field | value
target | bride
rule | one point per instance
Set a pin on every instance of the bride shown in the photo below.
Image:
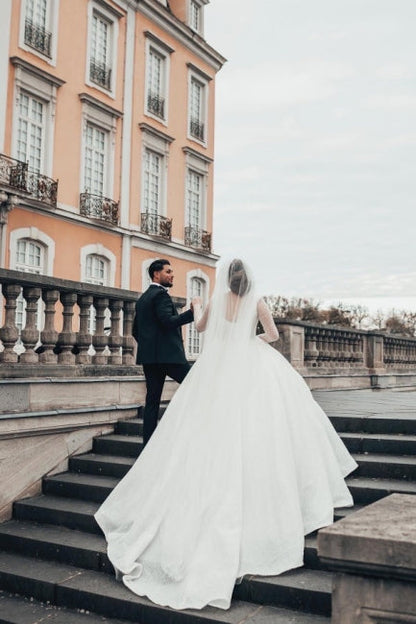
(243, 464)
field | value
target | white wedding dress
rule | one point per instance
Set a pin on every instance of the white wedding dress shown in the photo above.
(243, 464)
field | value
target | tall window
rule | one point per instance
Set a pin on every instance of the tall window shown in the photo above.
(194, 199)
(152, 182)
(156, 68)
(197, 289)
(30, 131)
(36, 24)
(195, 16)
(101, 50)
(30, 257)
(95, 159)
(197, 109)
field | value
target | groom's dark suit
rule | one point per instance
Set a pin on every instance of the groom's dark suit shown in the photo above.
(157, 330)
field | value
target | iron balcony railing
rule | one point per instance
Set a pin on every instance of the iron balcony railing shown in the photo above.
(99, 207)
(100, 74)
(196, 128)
(38, 38)
(156, 225)
(17, 175)
(197, 238)
(156, 105)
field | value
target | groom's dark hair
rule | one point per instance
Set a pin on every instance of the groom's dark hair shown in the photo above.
(157, 265)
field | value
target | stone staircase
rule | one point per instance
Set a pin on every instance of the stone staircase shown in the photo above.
(53, 562)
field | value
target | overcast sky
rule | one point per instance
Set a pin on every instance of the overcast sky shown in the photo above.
(315, 165)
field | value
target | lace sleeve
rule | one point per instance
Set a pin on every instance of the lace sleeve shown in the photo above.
(200, 317)
(270, 331)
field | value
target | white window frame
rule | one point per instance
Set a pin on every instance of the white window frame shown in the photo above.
(158, 143)
(47, 244)
(34, 82)
(199, 5)
(52, 14)
(104, 119)
(37, 236)
(196, 163)
(203, 118)
(95, 8)
(162, 50)
(190, 328)
(97, 249)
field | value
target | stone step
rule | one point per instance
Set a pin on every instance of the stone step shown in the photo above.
(79, 548)
(77, 485)
(366, 490)
(67, 512)
(386, 466)
(302, 589)
(108, 465)
(133, 426)
(385, 444)
(15, 609)
(115, 444)
(374, 424)
(56, 543)
(75, 588)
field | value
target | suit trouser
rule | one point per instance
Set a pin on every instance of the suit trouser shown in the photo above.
(155, 375)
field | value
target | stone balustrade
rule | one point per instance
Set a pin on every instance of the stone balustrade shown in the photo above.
(324, 351)
(67, 324)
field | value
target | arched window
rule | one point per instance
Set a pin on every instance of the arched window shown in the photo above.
(197, 287)
(29, 257)
(97, 270)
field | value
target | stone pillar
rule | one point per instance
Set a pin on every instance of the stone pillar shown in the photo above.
(128, 340)
(67, 337)
(292, 343)
(9, 333)
(84, 336)
(115, 340)
(373, 552)
(375, 352)
(49, 335)
(100, 340)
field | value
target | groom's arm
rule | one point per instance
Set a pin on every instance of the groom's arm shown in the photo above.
(164, 314)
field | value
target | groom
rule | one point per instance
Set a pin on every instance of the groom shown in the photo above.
(156, 328)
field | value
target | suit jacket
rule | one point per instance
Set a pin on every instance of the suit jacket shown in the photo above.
(157, 328)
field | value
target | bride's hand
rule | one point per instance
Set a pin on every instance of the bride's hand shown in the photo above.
(196, 301)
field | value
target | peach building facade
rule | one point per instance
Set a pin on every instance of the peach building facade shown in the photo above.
(107, 141)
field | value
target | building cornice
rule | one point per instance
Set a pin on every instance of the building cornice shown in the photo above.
(92, 101)
(180, 31)
(110, 8)
(196, 154)
(198, 70)
(162, 44)
(34, 69)
(145, 127)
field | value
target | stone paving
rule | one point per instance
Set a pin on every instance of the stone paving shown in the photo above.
(388, 403)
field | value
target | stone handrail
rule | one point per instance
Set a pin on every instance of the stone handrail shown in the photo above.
(330, 349)
(64, 337)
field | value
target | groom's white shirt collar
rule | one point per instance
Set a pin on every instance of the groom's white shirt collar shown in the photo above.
(160, 285)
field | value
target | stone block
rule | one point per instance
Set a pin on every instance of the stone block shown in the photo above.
(374, 552)
(14, 397)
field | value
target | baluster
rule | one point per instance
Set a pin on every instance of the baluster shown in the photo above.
(67, 337)
(115, 340)
(84, 337)
(49, 335)
(9, 332)
(30, 334)
(128, 340)
(311, 352)
(100, 340)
